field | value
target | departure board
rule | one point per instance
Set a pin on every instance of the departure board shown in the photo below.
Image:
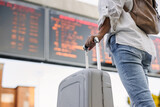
(155, 67)
(22, 35)
(21, 29)
(68, 33)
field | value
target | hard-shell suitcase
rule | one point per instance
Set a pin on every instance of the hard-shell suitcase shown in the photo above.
(86, 88)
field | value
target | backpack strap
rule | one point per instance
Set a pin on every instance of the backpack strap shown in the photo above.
(154, 4)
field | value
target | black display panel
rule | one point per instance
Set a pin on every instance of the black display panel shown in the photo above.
(22, 35)
(21, 30)
(155, 67)
(68, 33)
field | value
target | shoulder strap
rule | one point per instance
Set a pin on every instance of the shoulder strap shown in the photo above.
(154, 4)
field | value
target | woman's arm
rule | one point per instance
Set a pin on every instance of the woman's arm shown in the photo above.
(102, 31)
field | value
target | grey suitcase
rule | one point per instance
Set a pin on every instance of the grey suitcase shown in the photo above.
(86, 88)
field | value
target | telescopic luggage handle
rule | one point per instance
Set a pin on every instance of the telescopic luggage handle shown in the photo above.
(96, 40)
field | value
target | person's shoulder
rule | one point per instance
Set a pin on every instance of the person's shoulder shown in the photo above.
(128, 4)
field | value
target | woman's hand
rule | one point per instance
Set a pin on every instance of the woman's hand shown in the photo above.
(90, 41)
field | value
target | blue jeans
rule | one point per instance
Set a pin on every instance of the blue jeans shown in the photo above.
(132, 65)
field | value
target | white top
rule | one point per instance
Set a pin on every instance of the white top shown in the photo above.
(122, 24)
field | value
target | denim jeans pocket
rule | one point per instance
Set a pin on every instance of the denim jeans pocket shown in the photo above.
(112, 43)
(147, 60)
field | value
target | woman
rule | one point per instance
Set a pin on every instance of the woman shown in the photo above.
(131, 48)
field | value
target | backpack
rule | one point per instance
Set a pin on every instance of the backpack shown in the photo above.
(145, 15)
